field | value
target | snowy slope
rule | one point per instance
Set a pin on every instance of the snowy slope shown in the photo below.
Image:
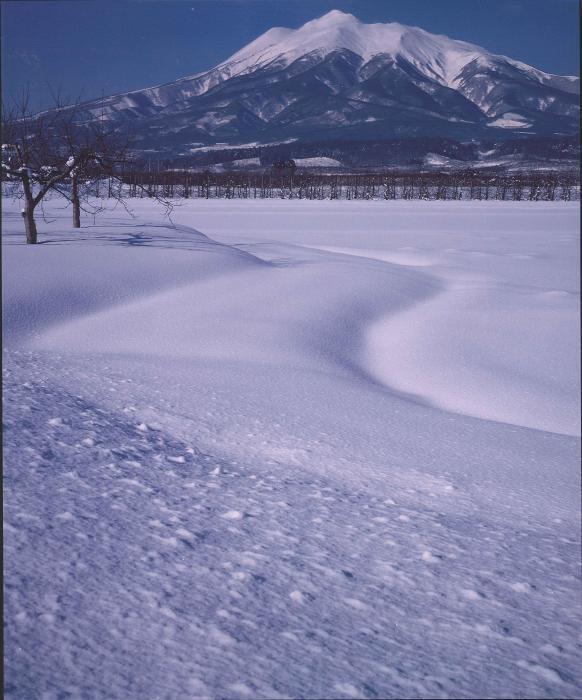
(268, 460)
(434, 56)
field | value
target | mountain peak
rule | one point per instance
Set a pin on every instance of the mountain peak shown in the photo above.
(440, 56)
(435, 55)
(334, 17)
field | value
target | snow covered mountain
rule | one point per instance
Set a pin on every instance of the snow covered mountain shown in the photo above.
(336, 77)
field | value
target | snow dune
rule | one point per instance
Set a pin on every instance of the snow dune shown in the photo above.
(466, 349)
(294, 449)
(101, 268)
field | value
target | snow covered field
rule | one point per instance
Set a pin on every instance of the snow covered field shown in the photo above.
(293, 449)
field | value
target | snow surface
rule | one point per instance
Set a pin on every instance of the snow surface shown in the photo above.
(510, 120)
(293, 449)
(319, 162)
(246, 162)
(441, 161)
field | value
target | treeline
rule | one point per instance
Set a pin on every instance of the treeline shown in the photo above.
(538, 186)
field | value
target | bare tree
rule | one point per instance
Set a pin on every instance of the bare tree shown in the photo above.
(30, 157)
(63, 150)
(98, 151)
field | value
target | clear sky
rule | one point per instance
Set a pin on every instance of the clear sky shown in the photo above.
(88, 48)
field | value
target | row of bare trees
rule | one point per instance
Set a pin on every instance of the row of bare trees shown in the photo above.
(537, 186)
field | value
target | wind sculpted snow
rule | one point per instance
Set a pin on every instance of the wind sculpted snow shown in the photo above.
(293, 449)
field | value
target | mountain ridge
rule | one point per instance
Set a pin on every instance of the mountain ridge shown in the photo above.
(337, 76)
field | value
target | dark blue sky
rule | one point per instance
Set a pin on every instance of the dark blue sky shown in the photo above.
(92, 47)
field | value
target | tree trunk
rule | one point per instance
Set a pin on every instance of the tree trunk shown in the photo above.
(75, 201)
(28, 211)
(29, 225)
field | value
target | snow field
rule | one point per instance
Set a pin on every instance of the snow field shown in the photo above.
(268, 460)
